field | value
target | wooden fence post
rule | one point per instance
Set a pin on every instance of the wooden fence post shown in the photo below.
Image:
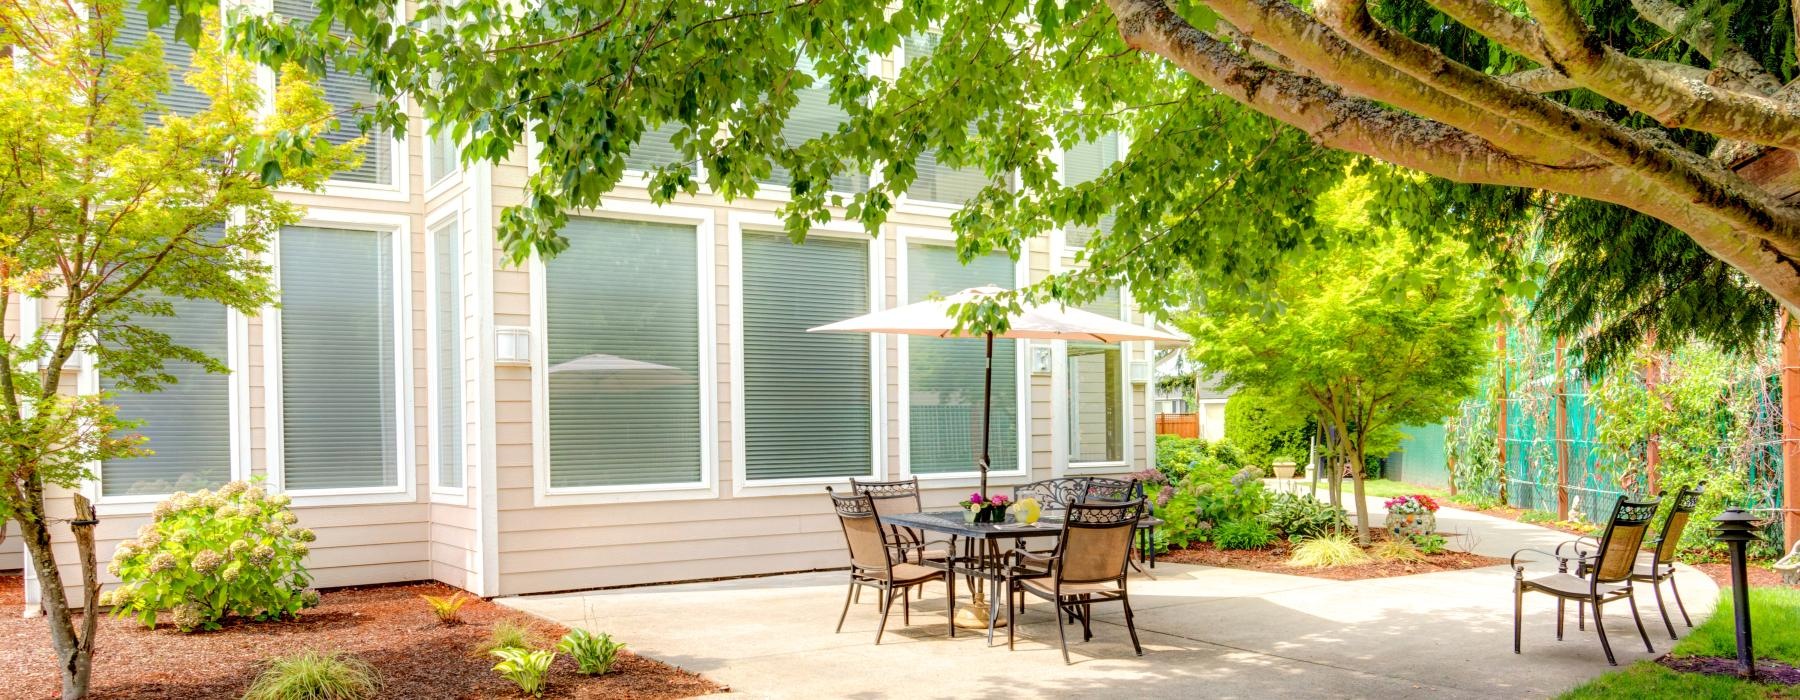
(1500, 403)
(1790, 431)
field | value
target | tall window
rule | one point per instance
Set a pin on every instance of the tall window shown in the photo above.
(188, 423)
(1095, 373)
(807, 396)
(1082, 163)
(343, 91)
(441, 158)
(815, 115)
(937, 182)
(623, 322)
(446, 241)
(945, 375)
(338, 359)
(655, 149)
(181, 98)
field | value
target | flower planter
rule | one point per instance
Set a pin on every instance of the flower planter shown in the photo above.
(1402, 525)
(991, 514)
(1284, 470)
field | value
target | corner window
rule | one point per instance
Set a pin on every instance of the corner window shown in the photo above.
(1095, 376)
(945, 377)
(447, 355)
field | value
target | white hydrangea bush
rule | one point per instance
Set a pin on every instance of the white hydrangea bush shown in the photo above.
(210, 555)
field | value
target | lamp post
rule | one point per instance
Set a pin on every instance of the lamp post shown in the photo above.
(1737, 529)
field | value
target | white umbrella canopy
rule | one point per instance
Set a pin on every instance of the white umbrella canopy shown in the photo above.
(936, 317)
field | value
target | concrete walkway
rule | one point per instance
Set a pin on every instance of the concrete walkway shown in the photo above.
(1206, 631)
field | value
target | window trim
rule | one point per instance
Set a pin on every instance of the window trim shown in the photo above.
(543, 494)
(440, 493)
(1019, 473)
(400, 225)
(436, 184)
(741, 483)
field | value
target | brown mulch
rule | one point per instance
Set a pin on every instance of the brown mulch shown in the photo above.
(385, 626)
(1274, 558)
(1767, 670)
(1760, 574)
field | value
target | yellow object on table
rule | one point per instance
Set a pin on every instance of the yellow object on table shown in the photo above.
(1026, 511)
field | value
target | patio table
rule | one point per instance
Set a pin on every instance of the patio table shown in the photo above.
(981, 557)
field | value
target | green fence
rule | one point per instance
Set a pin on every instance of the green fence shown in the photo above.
(1421, 458)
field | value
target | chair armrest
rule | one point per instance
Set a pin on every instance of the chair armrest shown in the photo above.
(1021, 556)
(1579, 550)
(1519, 568)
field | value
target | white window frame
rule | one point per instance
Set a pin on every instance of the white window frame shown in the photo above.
(405, 491)
(543, 494)
(1062, 258)
(1017, 474)
(436, 184)
(741, 484)
(1125, 351)
(440, 493)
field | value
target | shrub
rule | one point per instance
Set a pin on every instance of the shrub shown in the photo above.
(1396, 550)
(525, 667)
(1266, 430)
(1202, 485)
(511, 634)
(448, 609)
(1430, 544)
(208, 555)
(315, 675)
(594, 655)
(1300, 517)
(1477, 501)
(1250, 533)
(1327, 551)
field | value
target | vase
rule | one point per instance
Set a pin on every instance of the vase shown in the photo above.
(1404, 525)
(991, 514)
(1284, 470)
(970, 514)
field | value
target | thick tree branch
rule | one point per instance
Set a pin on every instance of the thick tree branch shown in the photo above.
(1674, 101)
(1542, 80)
(1740, 69)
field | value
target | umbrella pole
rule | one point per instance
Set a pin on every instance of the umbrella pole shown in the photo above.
(987, 413)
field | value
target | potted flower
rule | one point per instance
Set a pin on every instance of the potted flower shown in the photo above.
(1410, 516)
(985, 509)
(1284, 469)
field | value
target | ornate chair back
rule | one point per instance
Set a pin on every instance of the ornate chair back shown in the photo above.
(1052, 495)
(1686, 501)
(894, 498)
(1625, 532)
(1096, 541)
(1104, 490)
(862, 531)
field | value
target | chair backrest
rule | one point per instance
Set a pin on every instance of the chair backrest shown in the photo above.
(1625, 532)
(1686, 501)
(1096, 541)
(1104, 490)
(862, 530)
(893, 498)
(1052, 494)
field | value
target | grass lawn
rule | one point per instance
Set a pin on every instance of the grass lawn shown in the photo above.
(1775, 619)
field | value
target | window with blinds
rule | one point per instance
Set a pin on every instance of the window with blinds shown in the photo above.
(338, 357)
(622, 316)
(1082, 163)
(1095, 375)
(945, 375)
(188, 422)
(446, 241)
(655, 149)
(813, 116)
(345, 90)
(807, 396)
(181, 98)
(441, 158)
(937, 182)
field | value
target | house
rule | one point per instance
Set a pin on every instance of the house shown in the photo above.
(642, 408)
(1205, 402)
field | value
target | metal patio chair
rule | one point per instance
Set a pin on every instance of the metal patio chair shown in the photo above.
(1657, 565)
(894, 498)
(872, 561)
(1603, 575)
(1087, 567)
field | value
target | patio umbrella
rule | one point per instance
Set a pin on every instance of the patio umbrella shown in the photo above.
(619, 374)
(936, 317)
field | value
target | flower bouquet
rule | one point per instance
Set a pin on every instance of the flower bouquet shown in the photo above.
(985, 509)
(1410, 516)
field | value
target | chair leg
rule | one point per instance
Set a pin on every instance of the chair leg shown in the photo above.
(1559, 618)
(1062, 634)
(1601, 628)
(847, 598)
(1678, 606)
(1130, 625)
(950, 600)
(1518, 604)
(1632, 599)
(906, 606)
(856, 594)
(1581, 615)
(1087, 629)
(887, 596)
(1663, 608)
(1011, 623)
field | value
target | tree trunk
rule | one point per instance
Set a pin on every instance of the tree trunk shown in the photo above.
(74, 653)
(1355, 457)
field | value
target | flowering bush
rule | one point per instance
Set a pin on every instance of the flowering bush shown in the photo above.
(209, 555)
(1416, 504)
(1201, 485)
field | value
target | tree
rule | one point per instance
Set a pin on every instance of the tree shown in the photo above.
(110, 207)
(1380, 330)
(1268, 430)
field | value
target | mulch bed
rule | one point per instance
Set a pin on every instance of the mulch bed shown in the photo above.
(1760, 574)
(1767, 670)
(1274, 558)
(385, 626)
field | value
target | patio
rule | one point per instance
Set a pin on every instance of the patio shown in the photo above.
(1233, 633)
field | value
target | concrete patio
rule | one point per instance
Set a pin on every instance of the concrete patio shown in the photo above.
(1206, 631)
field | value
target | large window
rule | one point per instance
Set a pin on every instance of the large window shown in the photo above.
(338, 359)
(344, 91)
(937, 182)
(655, 149)
(188, 423)
(622, 315)
(181, 98)
(945, 375)
(447, 358)
(1082, 163)
(813, 116)
(1095, 373)
(807, 396)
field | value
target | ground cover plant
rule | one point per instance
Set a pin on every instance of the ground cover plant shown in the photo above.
(315, 675)
(1775, 616)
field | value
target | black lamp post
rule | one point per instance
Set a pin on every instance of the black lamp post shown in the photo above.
(1737, 529)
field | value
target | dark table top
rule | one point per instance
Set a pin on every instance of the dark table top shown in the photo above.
(950, 522)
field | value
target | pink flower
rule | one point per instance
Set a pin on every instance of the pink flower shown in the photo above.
(975, 497)
(998, 499)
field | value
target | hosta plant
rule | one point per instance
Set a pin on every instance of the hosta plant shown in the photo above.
(594, 655)
(527, 668)
(210, 555)
(447, 608)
